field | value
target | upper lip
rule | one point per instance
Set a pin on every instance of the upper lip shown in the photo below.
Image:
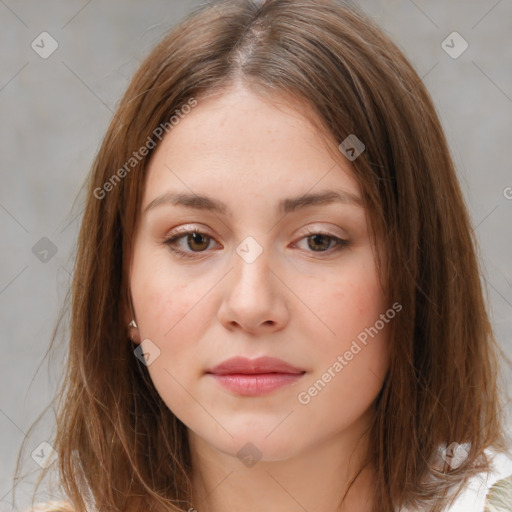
(254, 366)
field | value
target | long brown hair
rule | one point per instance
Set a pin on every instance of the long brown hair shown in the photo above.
(116, 439)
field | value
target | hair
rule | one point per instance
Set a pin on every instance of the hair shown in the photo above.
(117, 441)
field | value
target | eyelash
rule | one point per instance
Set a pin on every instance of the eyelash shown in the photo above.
(171, 242)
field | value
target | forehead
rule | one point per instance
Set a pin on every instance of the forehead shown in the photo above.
(239, 120)
(242, 143)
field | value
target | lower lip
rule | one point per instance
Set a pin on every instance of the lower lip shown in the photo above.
(256, 384)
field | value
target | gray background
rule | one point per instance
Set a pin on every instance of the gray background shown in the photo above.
(54, 113)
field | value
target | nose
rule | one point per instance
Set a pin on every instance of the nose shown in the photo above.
(255, 298)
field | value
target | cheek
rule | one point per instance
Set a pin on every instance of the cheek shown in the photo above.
(351, 364)
(351, 301)
(353, 307)
(169, 313)
(166, 302)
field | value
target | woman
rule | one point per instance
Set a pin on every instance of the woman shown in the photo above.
(274, 221)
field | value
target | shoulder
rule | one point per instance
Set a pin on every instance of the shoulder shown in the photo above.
(490, 491)
(487, 491)
(52, 506)
(499, 497)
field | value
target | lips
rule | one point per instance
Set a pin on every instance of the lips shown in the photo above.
(260, 365)
(254, 377)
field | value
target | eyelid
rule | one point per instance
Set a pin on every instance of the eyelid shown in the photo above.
(172, 238)
(174, 235)
(187, 228)
(311, 230)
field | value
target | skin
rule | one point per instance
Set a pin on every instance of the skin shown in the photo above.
(300, 305)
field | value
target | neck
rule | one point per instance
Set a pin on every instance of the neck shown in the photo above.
(317, 479)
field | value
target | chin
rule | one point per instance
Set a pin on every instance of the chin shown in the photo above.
(253, 444)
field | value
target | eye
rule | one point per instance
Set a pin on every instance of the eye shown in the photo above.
(198, 242)
(319, 241)
(195, 240)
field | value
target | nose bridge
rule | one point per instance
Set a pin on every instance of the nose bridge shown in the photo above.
(251, 299)
(251, 263)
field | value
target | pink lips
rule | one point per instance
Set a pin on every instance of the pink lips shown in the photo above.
(252, 377)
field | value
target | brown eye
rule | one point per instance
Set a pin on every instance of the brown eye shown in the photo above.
(188, 243)
(324, 243)
(197, 241)
(319, 242)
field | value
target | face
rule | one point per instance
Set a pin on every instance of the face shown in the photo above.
(292, 280)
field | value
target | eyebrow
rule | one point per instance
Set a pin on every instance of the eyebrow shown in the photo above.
(201, 202)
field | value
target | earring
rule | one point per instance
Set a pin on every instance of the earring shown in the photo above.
(132, 326)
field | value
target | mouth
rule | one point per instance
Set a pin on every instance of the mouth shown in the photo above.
(253, 377)
(257, 383)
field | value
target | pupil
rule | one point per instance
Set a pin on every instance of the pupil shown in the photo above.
(195, 236)
(316, 237)
(196, 239)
